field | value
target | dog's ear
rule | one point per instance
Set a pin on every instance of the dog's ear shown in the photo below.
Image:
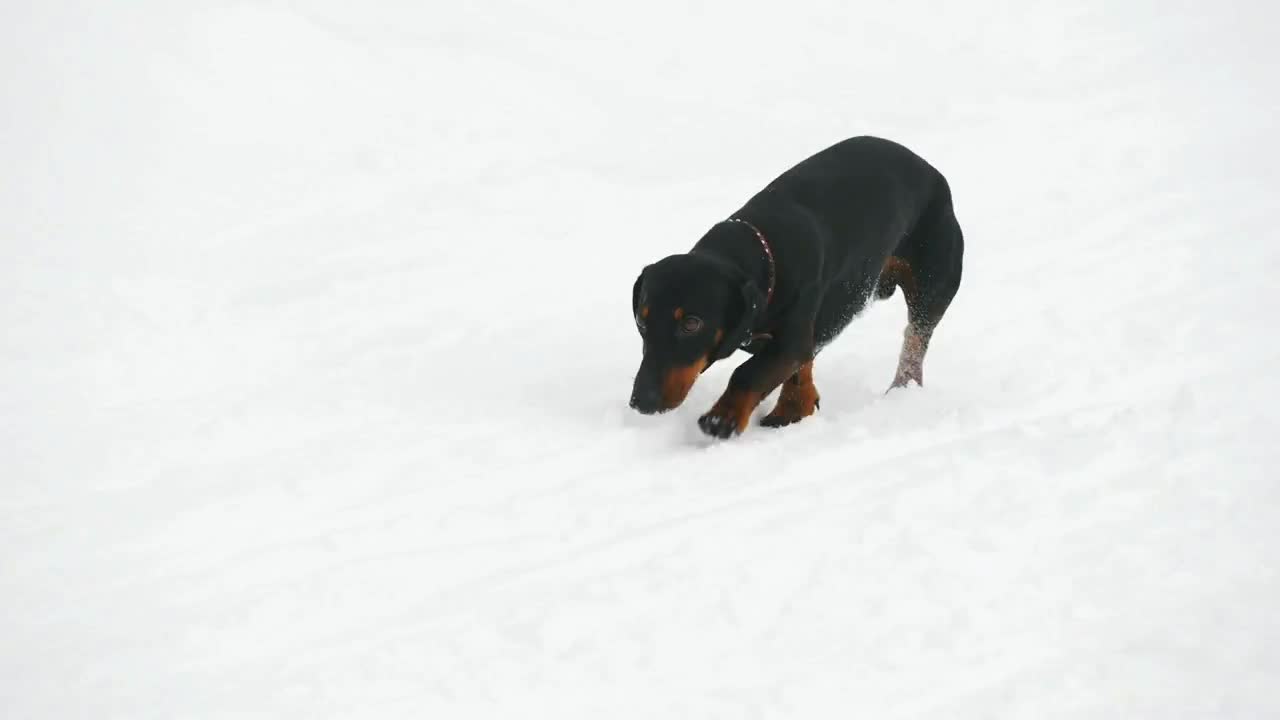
(740, 334)
(636, 291)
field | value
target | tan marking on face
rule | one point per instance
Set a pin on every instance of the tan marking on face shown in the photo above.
(679, 314)
(678, 381)
(644, 311)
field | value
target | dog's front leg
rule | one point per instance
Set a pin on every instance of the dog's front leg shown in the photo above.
(753, 380)
(750, 383)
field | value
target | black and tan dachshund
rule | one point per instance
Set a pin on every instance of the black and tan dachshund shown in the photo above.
(786, 273)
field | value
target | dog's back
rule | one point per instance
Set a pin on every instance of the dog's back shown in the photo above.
(862, 196)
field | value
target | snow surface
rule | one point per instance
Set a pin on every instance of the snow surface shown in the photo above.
(316, 351)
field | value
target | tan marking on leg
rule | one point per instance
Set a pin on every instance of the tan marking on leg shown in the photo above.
(896, 273)
(736, 407)
(915, 344)
(797, 400)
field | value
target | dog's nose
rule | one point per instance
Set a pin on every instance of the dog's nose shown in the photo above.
(646, 400)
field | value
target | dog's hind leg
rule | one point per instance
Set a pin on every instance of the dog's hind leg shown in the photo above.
(890, 277)
(927, 268)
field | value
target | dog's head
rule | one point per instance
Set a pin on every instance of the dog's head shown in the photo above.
(690, 311)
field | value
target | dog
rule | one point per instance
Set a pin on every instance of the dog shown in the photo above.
(784, 275)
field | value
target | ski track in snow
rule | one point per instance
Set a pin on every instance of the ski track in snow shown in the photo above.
(317, 350)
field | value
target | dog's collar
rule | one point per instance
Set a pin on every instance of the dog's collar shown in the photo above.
(768, 253)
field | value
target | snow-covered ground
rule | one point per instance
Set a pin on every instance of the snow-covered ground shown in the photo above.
(317, 345)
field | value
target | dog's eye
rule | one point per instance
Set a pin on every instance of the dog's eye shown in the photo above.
(690, 325)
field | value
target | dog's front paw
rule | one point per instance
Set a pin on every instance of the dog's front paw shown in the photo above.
(718, 426)
(730, 414)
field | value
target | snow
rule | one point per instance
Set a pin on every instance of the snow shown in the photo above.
(317, 347)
